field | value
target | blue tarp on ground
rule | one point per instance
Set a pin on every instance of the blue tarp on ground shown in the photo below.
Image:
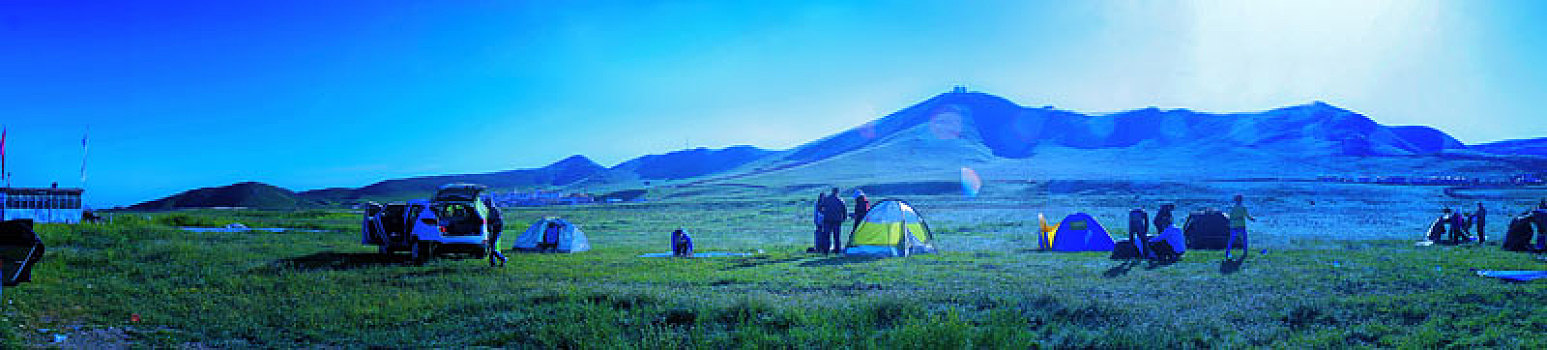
(245, 229)
(1517, 276)
(697, 255)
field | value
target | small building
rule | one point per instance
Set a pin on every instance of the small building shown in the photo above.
(42, 205)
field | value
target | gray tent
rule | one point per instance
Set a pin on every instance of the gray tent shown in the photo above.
(564, 237)
(1207, 229)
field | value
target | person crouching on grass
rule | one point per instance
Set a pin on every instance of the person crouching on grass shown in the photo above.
(1238, 218)
(681, 244)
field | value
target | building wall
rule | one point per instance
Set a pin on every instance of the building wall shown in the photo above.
(52, 216)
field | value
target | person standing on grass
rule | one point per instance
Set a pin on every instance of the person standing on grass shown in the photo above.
(496, 223)
(1447, 224)
(550, 241)
(1163, 217)
(819, 241)
(1238, 218)
(1539, 217)
(1481, 218)
(861, 206)
(1138, 230)
(833, 216)
(1464, 220)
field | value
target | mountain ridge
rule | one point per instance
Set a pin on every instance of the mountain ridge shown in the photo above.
(563, 172)
(980, 128)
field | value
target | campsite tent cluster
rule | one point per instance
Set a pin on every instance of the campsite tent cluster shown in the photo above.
(889, 228)
(893, 228)
(1080, 232)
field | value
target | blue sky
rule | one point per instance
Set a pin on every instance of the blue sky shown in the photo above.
(312, 94)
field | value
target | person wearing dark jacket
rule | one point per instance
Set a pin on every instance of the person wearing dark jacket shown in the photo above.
(1539, 216)
(496, 224)
(1481, 219)
(681, 243)
(1138, 230)
(834, 213)
(1163, 218)
(1517, 235)
(1455, 222)
(861, 206)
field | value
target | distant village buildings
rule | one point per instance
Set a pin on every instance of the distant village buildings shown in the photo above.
(1516, 180)
(539, 198)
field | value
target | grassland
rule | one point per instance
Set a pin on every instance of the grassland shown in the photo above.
(1312, 281)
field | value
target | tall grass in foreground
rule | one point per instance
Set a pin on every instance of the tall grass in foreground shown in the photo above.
(324, 289)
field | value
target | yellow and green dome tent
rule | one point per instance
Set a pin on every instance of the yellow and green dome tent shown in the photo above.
(891, 228)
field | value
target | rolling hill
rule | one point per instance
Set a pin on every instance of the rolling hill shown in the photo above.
(245, 195)
(679, 165)
(1526, 147)
(564, 172)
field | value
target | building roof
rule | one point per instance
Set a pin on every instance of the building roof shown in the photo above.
(15, 191)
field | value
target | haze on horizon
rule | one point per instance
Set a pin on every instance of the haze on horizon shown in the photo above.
(308, 95)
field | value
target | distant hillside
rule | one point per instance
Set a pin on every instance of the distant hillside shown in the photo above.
(952, 135)
(934, 139)
(679, 165)
(1011, 131)
(246, 194)
(1527, 147)
(564, 172)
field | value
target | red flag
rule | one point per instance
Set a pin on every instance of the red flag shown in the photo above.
(3, 174)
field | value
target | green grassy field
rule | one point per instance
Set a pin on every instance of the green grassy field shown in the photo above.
(988, 289)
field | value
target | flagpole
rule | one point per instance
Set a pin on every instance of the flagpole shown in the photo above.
(84, 151)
